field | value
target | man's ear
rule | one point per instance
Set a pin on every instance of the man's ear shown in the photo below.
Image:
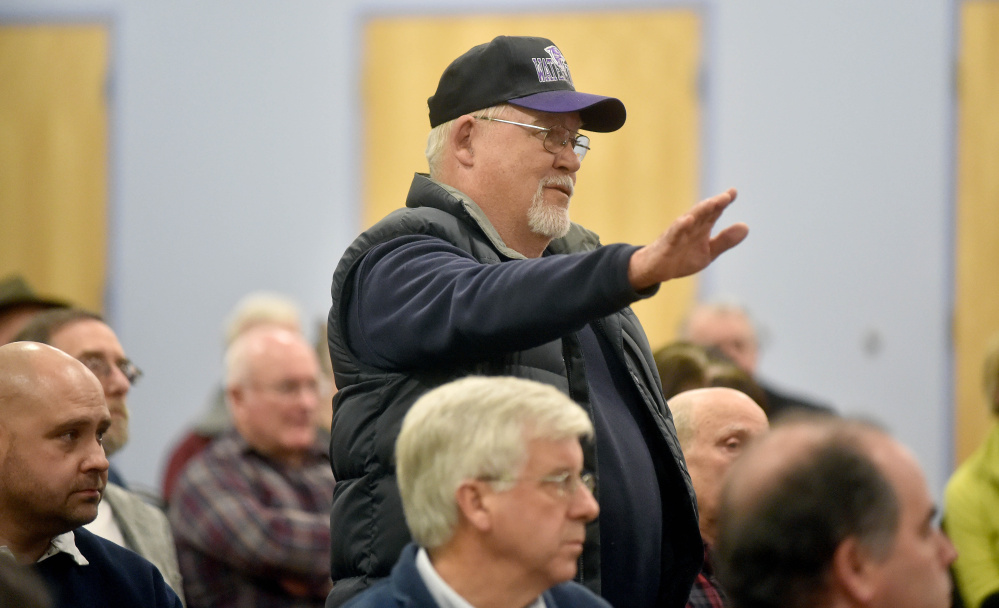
(473, 504)
(461, 140)
(234, 395)
(855, 572)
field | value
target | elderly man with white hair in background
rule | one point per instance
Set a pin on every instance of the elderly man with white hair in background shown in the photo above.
(251, 512)
(493, 488)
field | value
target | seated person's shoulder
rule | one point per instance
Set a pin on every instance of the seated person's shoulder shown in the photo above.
(136, 581)
(575, 595)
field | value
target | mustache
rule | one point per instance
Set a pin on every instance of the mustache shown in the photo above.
(561, 181)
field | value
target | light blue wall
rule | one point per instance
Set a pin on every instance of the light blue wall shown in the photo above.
(235, 164)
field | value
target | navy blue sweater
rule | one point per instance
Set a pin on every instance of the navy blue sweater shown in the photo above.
(115, 577)
(420, 301)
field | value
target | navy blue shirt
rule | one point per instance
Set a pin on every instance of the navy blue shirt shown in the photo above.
(115, 576)
(630, 504)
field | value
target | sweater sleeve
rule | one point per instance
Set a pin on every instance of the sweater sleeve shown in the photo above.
(419, 301)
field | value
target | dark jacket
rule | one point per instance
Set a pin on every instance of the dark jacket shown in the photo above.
(405, 588)
(115, 576)
(556, 296)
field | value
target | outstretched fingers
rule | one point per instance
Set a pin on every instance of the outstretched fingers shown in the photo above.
(728, 238)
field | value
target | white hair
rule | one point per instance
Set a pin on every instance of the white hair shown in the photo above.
(439, 135)
(262, 307)
(473, 428)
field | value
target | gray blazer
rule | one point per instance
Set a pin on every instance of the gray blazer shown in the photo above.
(147, 532)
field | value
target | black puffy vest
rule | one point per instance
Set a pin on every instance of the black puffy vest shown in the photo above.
(368, 528)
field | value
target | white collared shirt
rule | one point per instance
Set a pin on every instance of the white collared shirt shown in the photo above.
(64, 543)
(106, 526)
(443, 594)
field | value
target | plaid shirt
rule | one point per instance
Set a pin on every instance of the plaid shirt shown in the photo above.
(251, 531)
(706, 593)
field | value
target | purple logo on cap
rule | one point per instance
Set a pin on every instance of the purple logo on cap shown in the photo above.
(552, 68)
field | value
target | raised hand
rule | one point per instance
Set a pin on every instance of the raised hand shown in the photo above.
(686, 247)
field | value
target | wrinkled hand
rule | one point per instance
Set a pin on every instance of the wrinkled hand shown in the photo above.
(687, 246)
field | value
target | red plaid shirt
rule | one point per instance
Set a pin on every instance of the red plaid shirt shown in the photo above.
(706, 593)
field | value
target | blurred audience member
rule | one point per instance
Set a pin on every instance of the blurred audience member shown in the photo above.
(53, 471)
(971, 515)
(728, 328)
(21, 586)
(684, 366)
(257, 308)
(713, 425)
(251, 512)
(123, 516)
(823, 511)
(18, 305)
(493, 489)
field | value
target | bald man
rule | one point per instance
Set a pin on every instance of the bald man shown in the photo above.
(124, 516)
(53, 471)
(833, 513)
(713, 426)
(251, 512)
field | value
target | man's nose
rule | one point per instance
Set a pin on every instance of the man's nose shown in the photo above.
(584, 506)
(947, 549)
(567, 159)
(96, 458)
(117, 382)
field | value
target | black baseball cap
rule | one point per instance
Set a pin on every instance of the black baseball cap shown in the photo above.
(524, 71)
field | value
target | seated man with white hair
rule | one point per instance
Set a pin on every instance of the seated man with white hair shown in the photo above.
(491, 476)
(250, 513)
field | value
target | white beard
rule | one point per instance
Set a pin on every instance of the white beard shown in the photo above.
(550, 221)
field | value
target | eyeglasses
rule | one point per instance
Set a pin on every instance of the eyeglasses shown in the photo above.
(102, 367)
(556, 138)
(292, 388)
(565, 483)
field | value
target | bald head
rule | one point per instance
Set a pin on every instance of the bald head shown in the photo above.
(53, 468)
(33, 372)
(715, 405)
(273, 391)
(714, 426)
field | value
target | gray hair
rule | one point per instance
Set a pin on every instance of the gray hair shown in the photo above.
(473, 428)
(259, 308)
(439, 135)
(246, 347)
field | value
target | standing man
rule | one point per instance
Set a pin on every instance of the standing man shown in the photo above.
(833, 513)
(483, 273)
(714, 426)
(123, 516)
(496, 497)
(52, 474)
(251, 511)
